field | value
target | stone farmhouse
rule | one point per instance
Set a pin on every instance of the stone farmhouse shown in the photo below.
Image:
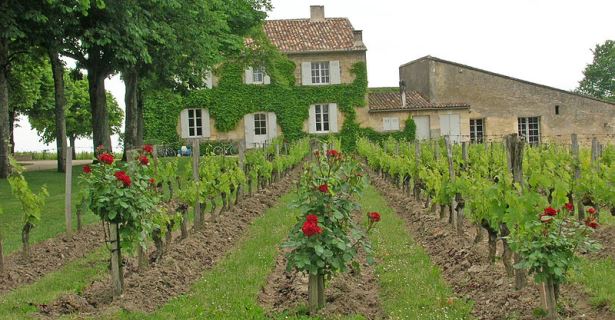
(442, 97)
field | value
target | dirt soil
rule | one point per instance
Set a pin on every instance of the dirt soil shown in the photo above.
(606, 237)
(351, 293)
(466, 268)
(181, 266)
(48, 256)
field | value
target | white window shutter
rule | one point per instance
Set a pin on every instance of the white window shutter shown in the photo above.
(272, 125)
(205, 123)
(248, 75)
(306, 73)
(334, 72)
(312, 119)
(395, 124)
(385, 124)
(183, 123)
(209, 79)
(248, 121)
(332, 117)
(266, 79)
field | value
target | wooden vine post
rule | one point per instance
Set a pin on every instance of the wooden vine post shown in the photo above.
(68, 208)
(117, 275)
(451, 173)
(514, 147)
(196, 154)
(574, 149)
(417, 161)
(241, 154)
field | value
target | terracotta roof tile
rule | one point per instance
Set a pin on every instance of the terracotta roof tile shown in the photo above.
(301, 35)
(392, 101)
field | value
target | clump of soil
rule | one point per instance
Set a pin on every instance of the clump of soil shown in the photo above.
(466, 268)
(48, 256)
(182, 264)
(352, 293)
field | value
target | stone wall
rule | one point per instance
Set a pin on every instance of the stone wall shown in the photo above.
(501, 100)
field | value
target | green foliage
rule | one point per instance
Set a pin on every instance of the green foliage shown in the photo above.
(232, 99)
(31, 203)
(599, 76)
(334, 248)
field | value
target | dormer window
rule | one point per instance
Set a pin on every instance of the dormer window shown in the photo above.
(320, 72)
(258, 75)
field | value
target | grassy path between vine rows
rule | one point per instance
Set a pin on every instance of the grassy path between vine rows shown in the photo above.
(411, 286)
(73, 277)
(596, 276)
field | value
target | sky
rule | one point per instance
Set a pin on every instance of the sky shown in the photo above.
(544, 41)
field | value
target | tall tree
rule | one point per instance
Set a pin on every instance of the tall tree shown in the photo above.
(77, 111)
(599, 76)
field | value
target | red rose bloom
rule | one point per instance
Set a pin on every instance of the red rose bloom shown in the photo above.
(550, 211)
(591, 210)
(144, 160)
(309, 229)
(87, 169)
(106, 158)
(569, 206)
(324, 188)
(148, 148)
(592, 223)
(152, 181)
(332, 153)
(312, 218)
(374, 216)
(122, 176)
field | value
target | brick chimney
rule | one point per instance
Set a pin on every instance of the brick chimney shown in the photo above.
(317, 13)
(358, 37)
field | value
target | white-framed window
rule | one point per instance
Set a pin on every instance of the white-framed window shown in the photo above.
(260, 124)
(477, 130)
(529, 129)
(320, 72)
(321, 114)
(390, 124)
(195, 123)
(258, 75)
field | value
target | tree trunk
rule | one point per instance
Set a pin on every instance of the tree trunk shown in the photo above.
(519, 273)
(140, 120)
(184, 226)
(12, 118)
(72, 144)
(57, 68)
(321, 291)
(25, 240)
(4, 109)
(157, 237)
(130, 99)
(101, 131)
(313, 294)
(507, 252)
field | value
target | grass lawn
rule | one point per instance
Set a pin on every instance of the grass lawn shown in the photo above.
(411, 286)
(597, 278)
(52, 216)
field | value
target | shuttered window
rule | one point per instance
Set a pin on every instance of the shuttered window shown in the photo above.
(195, 123)
(260, 124)
(321, 111)
(320, 72)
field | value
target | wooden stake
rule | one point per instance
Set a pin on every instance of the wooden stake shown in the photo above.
(574, 148)
(196, 155)
(451, 172)
(313, 294)
(116, 260)
(514, 147)
(68, 206)
(321, 291)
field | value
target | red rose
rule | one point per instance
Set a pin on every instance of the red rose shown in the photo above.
(550, 211)
(148, 148)
(87, 169)
(546, 218)
(592, 223)
(152, 181)
(374, 216)
(312, 218)
(106, 158)
(122, 176)
(144, 160)
(309, 229)
(569, 206)
(591, 210)
(324, 188)
(332, 153)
